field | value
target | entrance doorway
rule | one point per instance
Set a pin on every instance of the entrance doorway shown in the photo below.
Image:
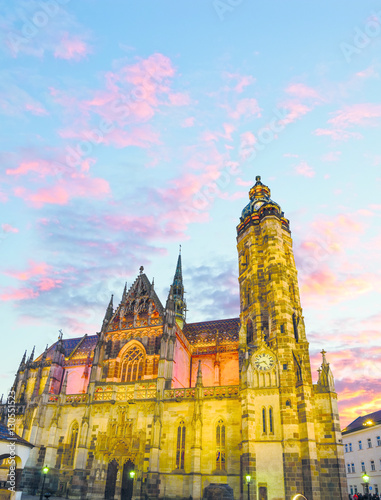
(262, 493)
(127, 481)
(112, 472)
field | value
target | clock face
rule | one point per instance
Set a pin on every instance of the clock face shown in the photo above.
(257, 205)
(264, 361)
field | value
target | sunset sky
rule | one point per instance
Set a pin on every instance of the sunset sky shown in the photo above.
(131, 127)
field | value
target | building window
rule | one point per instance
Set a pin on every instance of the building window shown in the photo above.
(372, 466)
(249, 331)
(348, 468)
(220, 446)
(369, 443)
(295, 322)
(351, 488)
(264, 429)
(346, 448)
(353, 467)
(350, 446)
(376, 489)
(271, 421)
(180, 447)
(132, 365)
(360, 445)
(72, 443)
(362, 466)
(378, 440)
(355, 489)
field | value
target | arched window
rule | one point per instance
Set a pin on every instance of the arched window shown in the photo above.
(264, 427)
(220, 445)
(180, 446)
(249, 331)
(271, 420)
(132, 365)
(72, 443)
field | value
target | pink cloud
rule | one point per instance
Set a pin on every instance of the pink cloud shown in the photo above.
(295, 110)
(77, 186)
(331, 156)
(246, 107)
(188, 122)
(290, 155)
(247, 139)
(305, 170)
(36, 275)
(364, 115)
(36, 108)
(71, 47)
(35, 269)
(243, 81)
(21, 294)
(241, 182)
(303, 91)
(7, 228)
(39, 166)
(337, 134)
(179, 99)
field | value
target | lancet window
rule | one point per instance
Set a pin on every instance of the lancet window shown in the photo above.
(180, 446)
(72, 443)
(220, 446)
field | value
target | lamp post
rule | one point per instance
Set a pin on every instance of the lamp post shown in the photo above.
(248, 480)
(366, 478)
(45, 470)
(132, 474)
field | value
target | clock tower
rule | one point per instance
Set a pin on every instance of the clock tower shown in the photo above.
(284, 441)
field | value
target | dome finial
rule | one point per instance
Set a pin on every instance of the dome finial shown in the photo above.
(258, 178)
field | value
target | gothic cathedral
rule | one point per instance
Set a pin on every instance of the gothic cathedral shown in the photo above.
(155, 407)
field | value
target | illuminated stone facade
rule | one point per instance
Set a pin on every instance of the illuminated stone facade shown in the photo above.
(191, 408)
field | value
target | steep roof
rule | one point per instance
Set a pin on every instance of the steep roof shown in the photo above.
(78, 348)
(6, 434)
(362, 422)
(205, 332)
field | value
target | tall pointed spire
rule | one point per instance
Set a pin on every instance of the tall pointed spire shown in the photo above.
(31, 358)
(178, 293)
(109, 312)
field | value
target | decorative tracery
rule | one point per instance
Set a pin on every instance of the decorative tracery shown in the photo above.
(132, 365)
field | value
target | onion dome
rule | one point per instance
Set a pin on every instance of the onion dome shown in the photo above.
(260, 206)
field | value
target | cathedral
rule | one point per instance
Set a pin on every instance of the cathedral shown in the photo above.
(155, 407)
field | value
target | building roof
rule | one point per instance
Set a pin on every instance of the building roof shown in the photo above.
(205, 332)
(6, 434)
(82, 345)
(363, 422)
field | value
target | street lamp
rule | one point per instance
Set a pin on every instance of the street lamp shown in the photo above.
(45, 470)
(132, 474)
(248, 480)
(366, 478)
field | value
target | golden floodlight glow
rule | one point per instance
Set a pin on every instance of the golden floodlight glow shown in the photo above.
(368, 422)
(299, 495)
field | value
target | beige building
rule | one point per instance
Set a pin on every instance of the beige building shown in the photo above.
(153, 406)
(362, 453)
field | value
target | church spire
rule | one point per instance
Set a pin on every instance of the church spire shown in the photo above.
(109, 312)
(178, 293)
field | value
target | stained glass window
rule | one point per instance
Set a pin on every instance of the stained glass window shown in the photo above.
(132, 365)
